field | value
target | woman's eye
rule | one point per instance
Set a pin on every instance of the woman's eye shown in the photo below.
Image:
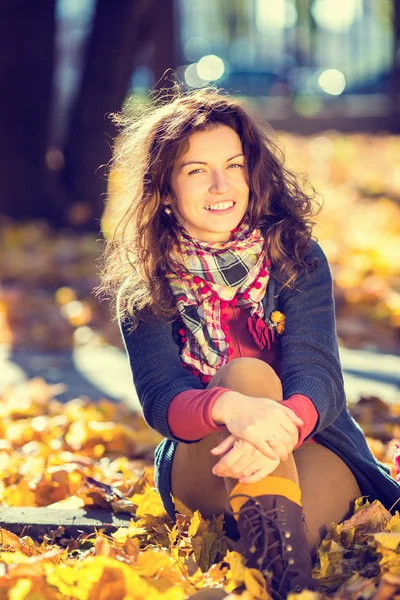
(194, 171)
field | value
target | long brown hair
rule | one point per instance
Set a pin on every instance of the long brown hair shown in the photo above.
(134, 261)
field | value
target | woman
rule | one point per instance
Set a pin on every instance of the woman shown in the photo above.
(225, 307)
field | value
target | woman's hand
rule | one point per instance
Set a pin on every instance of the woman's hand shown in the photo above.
(266, 424)
(242, 461)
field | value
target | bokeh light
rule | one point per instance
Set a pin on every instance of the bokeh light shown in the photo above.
(332, 82)
(210, 67)
(336, 15)
(279, 14)
(192, 78)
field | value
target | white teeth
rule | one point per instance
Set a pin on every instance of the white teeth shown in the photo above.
(221, 206)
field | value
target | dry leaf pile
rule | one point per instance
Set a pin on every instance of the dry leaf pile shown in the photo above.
(88, 455)
(359, 178)
(51, 275)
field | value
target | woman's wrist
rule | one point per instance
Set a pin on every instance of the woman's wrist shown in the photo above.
(221, 407)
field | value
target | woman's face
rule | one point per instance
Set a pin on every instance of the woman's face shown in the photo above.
(210, 194)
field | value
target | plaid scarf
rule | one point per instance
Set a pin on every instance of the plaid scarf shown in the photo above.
(205, 278)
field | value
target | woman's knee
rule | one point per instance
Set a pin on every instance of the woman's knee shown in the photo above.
(249, 376)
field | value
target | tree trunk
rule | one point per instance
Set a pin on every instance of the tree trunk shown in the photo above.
(119, 30)
(165, 43)
(26, 70)
(395, 83)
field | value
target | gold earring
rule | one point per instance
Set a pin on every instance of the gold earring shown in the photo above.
(167, 210)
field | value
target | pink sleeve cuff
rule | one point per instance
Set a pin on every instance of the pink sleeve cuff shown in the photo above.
(189, 413)
(306, 411)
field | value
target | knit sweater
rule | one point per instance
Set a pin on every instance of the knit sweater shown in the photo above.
(310, 366)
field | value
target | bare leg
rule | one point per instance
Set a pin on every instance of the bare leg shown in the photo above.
(314, 468)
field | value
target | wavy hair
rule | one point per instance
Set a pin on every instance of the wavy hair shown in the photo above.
(135, 256)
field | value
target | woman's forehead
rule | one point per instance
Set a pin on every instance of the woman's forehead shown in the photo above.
(219, 140)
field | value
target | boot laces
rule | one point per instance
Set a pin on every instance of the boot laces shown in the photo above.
(261, 522)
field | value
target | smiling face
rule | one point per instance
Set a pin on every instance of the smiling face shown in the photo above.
(210, 193)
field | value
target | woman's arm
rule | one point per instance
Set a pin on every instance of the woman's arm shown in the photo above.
(310, 356)
(157, 370)
(190, 413)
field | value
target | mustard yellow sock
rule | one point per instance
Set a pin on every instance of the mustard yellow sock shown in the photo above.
(267, 486)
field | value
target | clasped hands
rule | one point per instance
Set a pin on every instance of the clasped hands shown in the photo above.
(263, 433)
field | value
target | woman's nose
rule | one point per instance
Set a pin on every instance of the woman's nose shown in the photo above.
(219, 184)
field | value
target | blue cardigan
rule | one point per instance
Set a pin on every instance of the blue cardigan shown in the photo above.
(310, 366)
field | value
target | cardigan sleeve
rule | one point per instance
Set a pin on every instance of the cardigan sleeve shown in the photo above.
(157, 371)
(310, 355)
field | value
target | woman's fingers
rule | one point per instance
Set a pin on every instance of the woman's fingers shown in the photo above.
(228, 460)
(288, 425)
(283, 443)
(225, 445)
(239, 463)
(258, 463)
(292, 415)
(292, 432)
(234, 460)
(262, 445)
(280, 448)
(260, 474)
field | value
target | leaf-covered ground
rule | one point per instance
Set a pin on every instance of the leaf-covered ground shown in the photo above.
(81, 454)
(84, 454)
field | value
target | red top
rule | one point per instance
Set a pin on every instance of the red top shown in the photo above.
(189, 413)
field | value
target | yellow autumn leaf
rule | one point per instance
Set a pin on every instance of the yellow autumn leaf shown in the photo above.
(255, 584)
(329, 569)
(18, 557)
(360, 503)
(19, 494)
(75, 580)
(197, 525)
(394, 523)
(21, 590)
(181, 508)
(11, 542)
(236, 572)
(391, 541)
(388, 549)
(123, 533)
(149, 563)
(148, 503)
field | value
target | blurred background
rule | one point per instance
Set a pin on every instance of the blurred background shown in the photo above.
(325, 74)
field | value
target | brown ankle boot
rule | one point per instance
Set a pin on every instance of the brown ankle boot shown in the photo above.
(273, 540)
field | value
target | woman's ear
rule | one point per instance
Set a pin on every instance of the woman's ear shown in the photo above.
(166, 200)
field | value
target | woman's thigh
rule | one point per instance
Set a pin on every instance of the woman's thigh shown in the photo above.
(192, 480)
(328, 489)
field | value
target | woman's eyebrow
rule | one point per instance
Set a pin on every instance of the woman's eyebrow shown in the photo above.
(200, 162)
